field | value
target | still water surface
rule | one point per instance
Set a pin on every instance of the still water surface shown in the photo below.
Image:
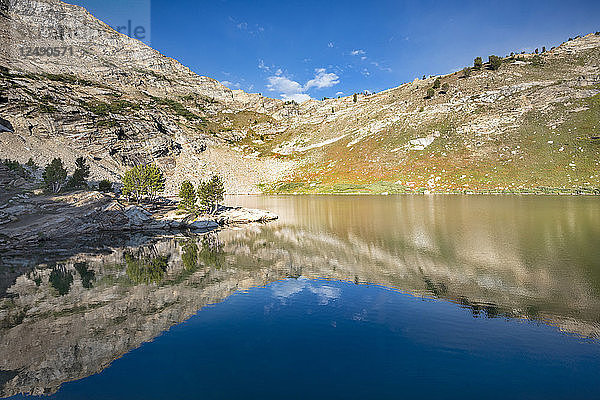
(343, 297)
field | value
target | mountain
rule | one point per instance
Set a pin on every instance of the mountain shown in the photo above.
(532, 124)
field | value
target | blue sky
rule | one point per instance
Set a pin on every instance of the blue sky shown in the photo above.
(301, 49)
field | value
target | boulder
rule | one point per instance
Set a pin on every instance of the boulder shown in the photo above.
(203, 225)
(241, 215)
(137, 215)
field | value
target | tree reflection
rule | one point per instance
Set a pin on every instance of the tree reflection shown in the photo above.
(87, 275)
(212, 253)
(145, 269)
(189, 256)
(61, 279)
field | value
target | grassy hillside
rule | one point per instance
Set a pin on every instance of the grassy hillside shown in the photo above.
(533, 125)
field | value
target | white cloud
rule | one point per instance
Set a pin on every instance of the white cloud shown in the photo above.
(245, 27)
(358, 52)
(297, 97)
(325, 293)
(339, 93)
(387, 69)
(283, 84)
(261, 65)
(231, 85)
(322, 79)
(289, 288)
(330, 45)
(292, 90)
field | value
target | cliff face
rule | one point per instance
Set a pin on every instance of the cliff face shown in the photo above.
(533, 122)
(117, 101)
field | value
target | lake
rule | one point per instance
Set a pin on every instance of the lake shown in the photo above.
(464, 297)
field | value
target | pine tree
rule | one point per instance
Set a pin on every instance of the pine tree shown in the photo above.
(437, 83)
(54, 175)
(430, 93)
(155, 179)
(466, 72)
(211, 193)
(80, 175)
(495, 62)
(477, 63)
(105, 186)
(187, 195)
(143, 181)
(355, 98)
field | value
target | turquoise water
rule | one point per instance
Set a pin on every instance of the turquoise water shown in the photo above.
(343, 297)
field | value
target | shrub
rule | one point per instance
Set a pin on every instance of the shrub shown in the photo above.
(80, 175)
(445, 87)
(466, 72)
(143, 181)
(54, 175)
(31, 164)
(437, 83)
(16, 167)
(495, 62)
(477, 63)
(543, 49)
(105, 186)
(211, 193)
(536, 60)
(355, 97)
(187, 196)
(430, 93)
(537, 51)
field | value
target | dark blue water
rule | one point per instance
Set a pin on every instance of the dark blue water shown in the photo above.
(303, 338)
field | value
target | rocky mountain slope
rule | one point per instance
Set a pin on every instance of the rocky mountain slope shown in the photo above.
(533, 122)
(117, 101)
(531, 125)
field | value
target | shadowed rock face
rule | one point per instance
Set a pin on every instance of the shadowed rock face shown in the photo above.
(69, 314)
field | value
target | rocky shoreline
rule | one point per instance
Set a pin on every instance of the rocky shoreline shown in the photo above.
(26, 220)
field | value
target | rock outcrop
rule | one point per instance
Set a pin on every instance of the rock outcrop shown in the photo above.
(28, 220)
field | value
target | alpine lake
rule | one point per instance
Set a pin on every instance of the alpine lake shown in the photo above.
(343, 297)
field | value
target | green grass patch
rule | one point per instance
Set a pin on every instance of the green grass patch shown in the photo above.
(176, 107)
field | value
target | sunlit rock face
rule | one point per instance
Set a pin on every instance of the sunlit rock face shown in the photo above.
(71, 311)
(99, 52)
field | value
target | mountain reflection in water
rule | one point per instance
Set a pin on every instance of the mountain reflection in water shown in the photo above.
(68, 313)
